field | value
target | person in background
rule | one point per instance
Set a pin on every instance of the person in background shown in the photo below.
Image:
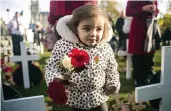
(142, 61)
(59, 9)
(113, 42)
(16, 29)
(119, 28)
(87, 31)
(38, 33)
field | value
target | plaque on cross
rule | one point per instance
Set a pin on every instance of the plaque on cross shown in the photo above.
(159, 90)
(24, 58)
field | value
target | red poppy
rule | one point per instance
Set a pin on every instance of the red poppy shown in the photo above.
(7, 69)
(56, 92)
(96, 59)
(2, 62)
(79, 58)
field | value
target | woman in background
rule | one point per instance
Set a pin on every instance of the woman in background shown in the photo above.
(142, 61)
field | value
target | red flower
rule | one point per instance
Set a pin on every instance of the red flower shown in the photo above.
(56, 91)
(79, 58)
(2, 62)
(7, 69)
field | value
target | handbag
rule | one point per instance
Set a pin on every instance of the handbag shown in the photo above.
(153, 35)
(50, 39)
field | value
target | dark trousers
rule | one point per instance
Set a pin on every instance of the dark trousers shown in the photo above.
(142, 68)
(37, 37)
(122, 41)
(16, 39)
(102, 107)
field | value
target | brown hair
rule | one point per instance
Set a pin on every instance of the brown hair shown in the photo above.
(86, 12)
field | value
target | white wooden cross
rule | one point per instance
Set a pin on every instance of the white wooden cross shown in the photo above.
(168, 42)
(24, 58)
(162, 89)
(35, 103)
(41, 48)
(128, 61)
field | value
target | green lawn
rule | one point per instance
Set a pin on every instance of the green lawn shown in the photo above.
(126, 85)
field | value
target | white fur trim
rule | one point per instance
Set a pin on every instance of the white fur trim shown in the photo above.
(64, 31)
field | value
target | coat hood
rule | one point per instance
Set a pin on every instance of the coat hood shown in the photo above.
(68, 35)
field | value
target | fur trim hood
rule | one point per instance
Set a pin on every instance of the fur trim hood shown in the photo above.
(68, 35)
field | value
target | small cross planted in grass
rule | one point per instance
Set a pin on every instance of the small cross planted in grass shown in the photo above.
(48, 108)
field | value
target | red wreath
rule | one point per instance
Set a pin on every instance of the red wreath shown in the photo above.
(57, 93)
(7, 69)
(2, 62)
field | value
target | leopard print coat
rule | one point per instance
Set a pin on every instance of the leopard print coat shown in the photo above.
(89, 89)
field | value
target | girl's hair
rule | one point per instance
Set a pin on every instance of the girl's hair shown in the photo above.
(86, 12)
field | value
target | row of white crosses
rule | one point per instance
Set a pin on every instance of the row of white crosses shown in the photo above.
(162, 89)
(32, 48)
(128, 60)
(35, 103)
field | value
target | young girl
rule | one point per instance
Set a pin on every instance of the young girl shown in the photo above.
(93, 85)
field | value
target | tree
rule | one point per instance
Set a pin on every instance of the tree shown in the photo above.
(111, 7)
(165, 21)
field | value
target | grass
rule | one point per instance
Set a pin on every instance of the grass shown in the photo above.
(126, 85)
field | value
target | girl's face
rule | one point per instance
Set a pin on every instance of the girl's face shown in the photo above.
(90, 31)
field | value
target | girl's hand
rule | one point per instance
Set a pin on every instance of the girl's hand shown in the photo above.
(64, 81)
(149, 8)
(110, 90)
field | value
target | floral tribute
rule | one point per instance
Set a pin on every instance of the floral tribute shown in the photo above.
(75, 61)
(57, 92)
(6, 70)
